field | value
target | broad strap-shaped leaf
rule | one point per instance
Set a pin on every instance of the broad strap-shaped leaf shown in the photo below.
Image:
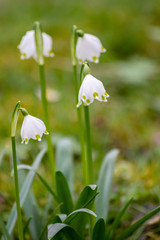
(74, 214)
(86, 197)
(105, 183)
(52, 219)
(99, 230)
(24, 192)
(64, 194)
(117, 219)
(128, 232)
(58, 228)
(85, 200)
(64, 160)
(31, 209)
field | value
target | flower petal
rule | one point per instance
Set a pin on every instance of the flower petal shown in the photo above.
(91, 88)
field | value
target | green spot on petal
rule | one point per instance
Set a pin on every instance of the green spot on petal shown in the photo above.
(103, 98)
(103, 49)
(51, 53)
(26, 140)
(95, 59)
(95, 94)
(84, 97)
(38, 137)
(46, 132)
(23, 55)
(87, 101)
(105, 93)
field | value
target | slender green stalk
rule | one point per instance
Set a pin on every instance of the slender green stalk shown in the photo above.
(79, 111)
(81, 132)
(19, 217)
(46, 118)
(88, 145)
(39, 49)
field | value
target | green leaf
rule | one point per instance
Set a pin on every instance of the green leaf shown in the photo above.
(6, 235)
(118, 218)
(128, 232)
(73, 214)
(99, 230)
(31, 209)
(63, 193)
(26, 226)
(105, 183)
(64, 160)
(27, 167)
(50, 220)
(58, 228)
(24, 192)
(85, 200)
(86, 197)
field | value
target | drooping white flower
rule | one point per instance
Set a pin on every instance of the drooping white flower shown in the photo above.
(27, 45)
(89, 48)
(91, 89)
(32, 127)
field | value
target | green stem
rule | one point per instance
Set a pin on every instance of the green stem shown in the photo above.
(80, 124)
(46, 118)
(88, 146)
(19, 217)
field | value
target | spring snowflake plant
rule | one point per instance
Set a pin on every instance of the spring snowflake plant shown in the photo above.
(73, 220)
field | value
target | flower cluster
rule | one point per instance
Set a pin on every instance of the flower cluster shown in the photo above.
(88, 47)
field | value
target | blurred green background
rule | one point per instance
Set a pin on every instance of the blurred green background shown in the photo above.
(130, 121)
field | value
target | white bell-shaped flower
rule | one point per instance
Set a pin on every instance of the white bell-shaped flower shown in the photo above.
(27, 45)
(91, 88)
(32, 127)
(89, 48)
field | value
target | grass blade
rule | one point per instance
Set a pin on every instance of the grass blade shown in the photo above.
(128, 232)
(118, 218)
(26, 226)
(6, 235)
(27, 167)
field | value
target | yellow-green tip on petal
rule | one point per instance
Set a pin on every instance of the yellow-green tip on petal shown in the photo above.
(103, 49)
(47, 133)
(38, 137)
(95, 95)
(95, 59)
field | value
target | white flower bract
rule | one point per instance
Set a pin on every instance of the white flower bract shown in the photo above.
(27, 46)
(32, 127)
(91, 88)
(89, 48)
